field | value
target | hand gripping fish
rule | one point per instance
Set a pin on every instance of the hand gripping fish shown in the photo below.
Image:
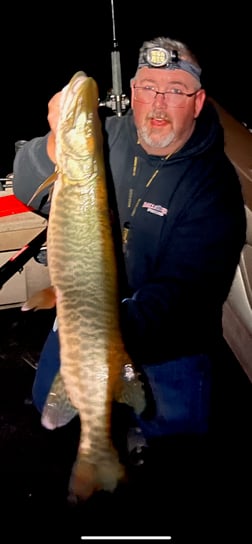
(83, 271)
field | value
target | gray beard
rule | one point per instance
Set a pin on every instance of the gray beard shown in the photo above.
(151, 142)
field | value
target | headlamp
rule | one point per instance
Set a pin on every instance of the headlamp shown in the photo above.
(159, 57)
(167, 59)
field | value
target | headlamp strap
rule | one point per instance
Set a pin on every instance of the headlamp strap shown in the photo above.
(168, 59)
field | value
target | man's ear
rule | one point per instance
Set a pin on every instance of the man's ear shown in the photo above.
(132, 83)
(199, 102)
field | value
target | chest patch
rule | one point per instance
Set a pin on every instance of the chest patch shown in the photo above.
(155, 208)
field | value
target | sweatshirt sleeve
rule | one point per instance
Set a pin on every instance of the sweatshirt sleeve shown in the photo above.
(31, 167)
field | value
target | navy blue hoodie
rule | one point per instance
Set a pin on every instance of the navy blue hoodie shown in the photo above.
(183, 241)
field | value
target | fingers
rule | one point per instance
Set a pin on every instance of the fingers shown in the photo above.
(53, 112)
(53, 118)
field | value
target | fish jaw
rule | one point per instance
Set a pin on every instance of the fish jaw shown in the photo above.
(79, 138)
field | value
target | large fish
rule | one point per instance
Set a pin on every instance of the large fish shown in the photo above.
(83, 271)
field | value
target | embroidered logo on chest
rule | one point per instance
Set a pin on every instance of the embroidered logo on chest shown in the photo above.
(155, 208)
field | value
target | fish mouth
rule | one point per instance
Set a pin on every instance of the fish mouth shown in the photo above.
(69, 93)
(77, 81)
(80, 94)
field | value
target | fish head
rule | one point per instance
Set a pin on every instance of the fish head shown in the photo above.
(79, 137)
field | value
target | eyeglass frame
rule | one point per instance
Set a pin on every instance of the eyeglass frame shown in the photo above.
(181, 93)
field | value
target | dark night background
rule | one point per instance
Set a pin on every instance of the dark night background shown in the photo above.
(42, 46)
(42, 49)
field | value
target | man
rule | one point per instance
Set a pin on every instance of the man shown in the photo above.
(183, 226)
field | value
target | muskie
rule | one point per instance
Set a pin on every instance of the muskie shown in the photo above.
(83, 271)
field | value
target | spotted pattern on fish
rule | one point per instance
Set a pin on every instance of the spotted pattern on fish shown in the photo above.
(83, 271)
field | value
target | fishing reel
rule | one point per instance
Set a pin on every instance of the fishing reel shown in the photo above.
(41, 256)
(117, 103)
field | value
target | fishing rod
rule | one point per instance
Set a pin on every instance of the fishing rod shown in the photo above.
(115, 99)
(19, 259)
(118, 102)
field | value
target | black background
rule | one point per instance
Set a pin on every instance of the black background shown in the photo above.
(42, 49)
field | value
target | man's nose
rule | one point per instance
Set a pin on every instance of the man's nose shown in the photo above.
(160, 97)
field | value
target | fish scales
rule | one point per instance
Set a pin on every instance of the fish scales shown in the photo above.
(83, 271)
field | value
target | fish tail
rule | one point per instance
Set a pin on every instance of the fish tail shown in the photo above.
(88, 477)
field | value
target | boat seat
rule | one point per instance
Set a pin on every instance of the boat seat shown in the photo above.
(237, 310)
(240, 296)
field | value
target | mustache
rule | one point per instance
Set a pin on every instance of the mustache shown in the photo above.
(158, 114)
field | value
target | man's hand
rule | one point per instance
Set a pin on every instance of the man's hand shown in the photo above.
(42, 300)
(53, 118)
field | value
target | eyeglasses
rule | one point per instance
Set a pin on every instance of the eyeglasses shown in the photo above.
(173, 97)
